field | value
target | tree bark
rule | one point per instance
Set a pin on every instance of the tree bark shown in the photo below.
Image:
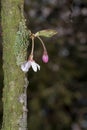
(15, 81)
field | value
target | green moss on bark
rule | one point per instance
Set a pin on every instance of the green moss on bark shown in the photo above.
(14, 78)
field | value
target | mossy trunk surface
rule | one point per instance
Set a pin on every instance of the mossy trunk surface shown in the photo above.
(14, 97)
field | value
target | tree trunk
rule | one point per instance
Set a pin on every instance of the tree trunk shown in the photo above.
(15, 81)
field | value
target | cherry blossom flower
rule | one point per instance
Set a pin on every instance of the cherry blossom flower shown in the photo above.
(30, 63)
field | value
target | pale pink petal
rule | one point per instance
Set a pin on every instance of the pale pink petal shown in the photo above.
(25, 66)
(34, 66)
(38, 66)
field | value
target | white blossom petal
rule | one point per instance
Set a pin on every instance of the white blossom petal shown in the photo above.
(34, 66)
(38, 66)
(25, 66)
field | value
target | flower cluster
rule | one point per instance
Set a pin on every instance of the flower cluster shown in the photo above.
(31, 62)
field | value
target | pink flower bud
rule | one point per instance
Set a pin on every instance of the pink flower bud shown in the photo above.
(45, 58)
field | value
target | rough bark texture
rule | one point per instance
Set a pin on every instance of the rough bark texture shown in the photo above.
(15, 83)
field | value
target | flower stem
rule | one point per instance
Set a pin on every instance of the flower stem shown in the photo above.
(45, 50)
(32, 50)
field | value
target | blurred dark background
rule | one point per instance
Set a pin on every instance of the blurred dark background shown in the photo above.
(57, 94)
